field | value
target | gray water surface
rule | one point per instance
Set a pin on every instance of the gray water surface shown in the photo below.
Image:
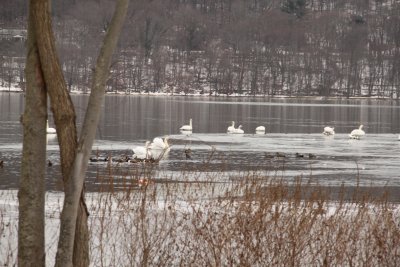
(292, 125)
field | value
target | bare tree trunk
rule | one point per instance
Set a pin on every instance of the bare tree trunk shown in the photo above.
(64, 117)
(31, 246)
(92, 117)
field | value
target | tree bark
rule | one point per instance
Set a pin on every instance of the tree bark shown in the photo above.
(92, 117)
(64, 117)
(31, 244)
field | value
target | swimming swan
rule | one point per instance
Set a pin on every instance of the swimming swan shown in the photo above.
(187, 127)
(238, 130)
(159, 143)
(357, 133)
(260, 130)
(142, 152)
(231, 128)
(49, 130)
(329, 130)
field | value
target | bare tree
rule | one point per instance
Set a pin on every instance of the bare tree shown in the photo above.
(73, 241)
(74, 189)
(31, 249)
(64, 113)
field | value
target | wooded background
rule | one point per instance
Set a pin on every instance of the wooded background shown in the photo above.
(255, 47)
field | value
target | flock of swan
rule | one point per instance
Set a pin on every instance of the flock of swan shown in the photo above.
(355, 134)
(159, 146)
(154, 151)
(232, 130)
(158, 143)
(151, 152)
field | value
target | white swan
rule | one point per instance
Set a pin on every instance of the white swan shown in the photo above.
(329, 130)
(187, 127)
(159, 148)
(260, 130)
(159, 143)
(357, 133)
(142, 152)
(238, 130)
(231, 128)
(49, 130)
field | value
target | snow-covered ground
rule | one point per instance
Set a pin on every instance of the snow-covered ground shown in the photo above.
(159, 226)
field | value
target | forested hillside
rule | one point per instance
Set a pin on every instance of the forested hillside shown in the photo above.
(249, 47)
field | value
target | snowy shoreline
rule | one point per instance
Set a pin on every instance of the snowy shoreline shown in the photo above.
(19, 91)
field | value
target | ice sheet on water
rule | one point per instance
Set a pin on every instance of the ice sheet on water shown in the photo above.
(374, 157)
(338, 159)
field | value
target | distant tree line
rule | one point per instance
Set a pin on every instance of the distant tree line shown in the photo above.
(255, 47)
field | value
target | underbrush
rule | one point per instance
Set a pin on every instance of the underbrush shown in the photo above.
(252, 221)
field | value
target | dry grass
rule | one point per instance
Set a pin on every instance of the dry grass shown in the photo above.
(257, 221)
(252, 221)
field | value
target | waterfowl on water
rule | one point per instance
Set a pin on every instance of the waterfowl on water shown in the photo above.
(238, 130)
(298, 155)
(159, 143)
(231, 128)
(99, 159)
(280, 155)
(142, 152)
(49, 163)
(187, 127)
(188, 153)
(260, 130)
(123, 159)
(357, 133)
(150, 160)
(329, 130)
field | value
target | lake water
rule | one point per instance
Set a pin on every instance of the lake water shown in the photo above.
(292, 125)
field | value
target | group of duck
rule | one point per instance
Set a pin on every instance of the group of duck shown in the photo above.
(283, 155)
